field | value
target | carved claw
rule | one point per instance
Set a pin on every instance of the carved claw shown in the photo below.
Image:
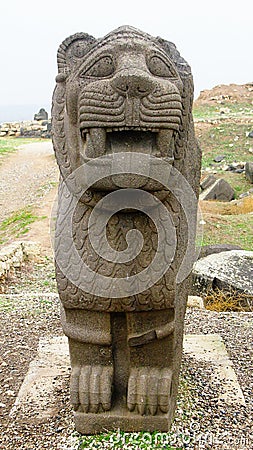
(91, 387)
(148, 390)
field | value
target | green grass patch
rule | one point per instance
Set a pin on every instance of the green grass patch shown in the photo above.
(229, 229)
(6, 305)
(228, 140)
(132, 441)
(206, 111)
(17, 224)
(238, 182)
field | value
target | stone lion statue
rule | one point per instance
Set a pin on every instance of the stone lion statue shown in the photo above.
(121, 96)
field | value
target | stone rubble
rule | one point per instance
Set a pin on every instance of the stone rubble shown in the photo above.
(249, 171)
(32, 128)
(228, 271)
(219, 190)
(14, 255)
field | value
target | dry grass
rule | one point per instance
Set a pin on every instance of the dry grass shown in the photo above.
(242, 206)
(223, 301)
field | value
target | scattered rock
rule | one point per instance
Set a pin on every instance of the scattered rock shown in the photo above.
(236, 167)
(218, 158)
(27, 128)
(225, 110)
(250, 134)
(230, 270)
(220, 190)
(195, 301)
(10, 393)
(249, 171)
(208, 181)
(13, 255)
(216, 248)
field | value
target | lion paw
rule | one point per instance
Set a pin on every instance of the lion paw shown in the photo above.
(149, 390)
(91, 387)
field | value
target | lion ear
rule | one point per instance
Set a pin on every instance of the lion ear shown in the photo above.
(72, 50)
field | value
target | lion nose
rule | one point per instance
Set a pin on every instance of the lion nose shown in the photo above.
(133, 83)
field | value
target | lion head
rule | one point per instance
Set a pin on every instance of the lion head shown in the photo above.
(126, 92)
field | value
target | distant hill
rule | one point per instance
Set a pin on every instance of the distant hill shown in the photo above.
(18, 113)
(226, 93)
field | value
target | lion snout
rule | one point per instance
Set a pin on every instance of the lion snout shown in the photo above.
(133, 83)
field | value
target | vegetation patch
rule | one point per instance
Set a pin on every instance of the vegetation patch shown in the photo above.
(227, 139)
(222, 110)
(228, 229)
(224, 301)
(17, 224)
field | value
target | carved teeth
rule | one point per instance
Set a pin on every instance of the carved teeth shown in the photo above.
(154, 130)
(164, 141)
(95, 142)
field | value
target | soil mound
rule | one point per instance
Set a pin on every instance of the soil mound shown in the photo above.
(231, 93)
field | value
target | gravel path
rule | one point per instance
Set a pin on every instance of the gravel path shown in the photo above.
(29, 310)
(23, 173)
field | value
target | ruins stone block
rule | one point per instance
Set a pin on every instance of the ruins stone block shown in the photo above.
(220, 190)
(249, 171)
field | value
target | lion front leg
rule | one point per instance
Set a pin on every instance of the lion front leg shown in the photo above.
(91, 359)
(150, 340)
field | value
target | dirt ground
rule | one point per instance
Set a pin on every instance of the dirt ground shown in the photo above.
(29, 177)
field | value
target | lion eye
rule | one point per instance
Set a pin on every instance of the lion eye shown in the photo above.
(160, 68)
(101, 68)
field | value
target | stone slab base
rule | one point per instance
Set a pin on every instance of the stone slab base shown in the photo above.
(119, 419)
(38, 394)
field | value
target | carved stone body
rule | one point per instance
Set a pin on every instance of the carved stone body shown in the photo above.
(127, 93)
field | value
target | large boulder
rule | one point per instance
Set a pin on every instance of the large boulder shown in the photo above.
(230, 270)
(206, 250)
(220, 190)
(207, 182)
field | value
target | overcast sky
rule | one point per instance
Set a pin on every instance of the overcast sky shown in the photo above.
(215, 37)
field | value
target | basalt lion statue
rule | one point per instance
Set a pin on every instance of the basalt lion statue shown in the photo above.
(126, 97)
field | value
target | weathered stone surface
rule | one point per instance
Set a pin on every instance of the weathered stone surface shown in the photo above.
(41, 115)
(14, 255)
(249, 171)
(126, 98)
(231, 270)
(207, 182)
(220, 190)
(216, 248)
(43, 381)
(194, 301)
(218, 158)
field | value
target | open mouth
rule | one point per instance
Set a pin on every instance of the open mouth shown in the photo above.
(97, 142)
(158, 143)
